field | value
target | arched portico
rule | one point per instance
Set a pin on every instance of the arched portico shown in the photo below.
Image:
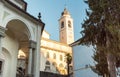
(25, 22)
(20, 31)
(17, 37)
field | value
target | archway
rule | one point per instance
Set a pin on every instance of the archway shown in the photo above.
(17, 38)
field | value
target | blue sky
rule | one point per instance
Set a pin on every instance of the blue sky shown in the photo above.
(51, 11)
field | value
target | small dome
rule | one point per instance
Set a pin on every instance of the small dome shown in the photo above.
(65, 12)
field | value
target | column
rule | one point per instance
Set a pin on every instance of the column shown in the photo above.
(30, 61)
(32, 46)
(37, 53)
(2, 34)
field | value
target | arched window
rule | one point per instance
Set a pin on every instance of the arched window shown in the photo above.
(61, 65)
(69, 24)
(47, 66)
(61, 57)
(47, 55)
(47, 63)
(54, 56)
(54, 64)
(62, 24)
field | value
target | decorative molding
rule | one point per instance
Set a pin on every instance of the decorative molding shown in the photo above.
(2, 31)
(57, 50)
(32, 44)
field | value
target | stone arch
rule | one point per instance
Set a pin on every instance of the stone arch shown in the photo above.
(10, 18)
(18, 34)
(6, 53)
(47, 62)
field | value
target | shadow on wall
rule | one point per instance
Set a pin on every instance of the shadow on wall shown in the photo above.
(48, 74)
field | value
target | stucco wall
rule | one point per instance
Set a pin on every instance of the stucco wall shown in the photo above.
(10, 51)
(82, 56)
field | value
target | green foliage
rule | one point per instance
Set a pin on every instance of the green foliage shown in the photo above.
(101, 62)
(101, 29)
(68, 58)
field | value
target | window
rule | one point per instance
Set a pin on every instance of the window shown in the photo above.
(61, 65)
(54, 64)
(62, 24)
(69, 24)
(47, 66)
(61, 57)
(54, 56)
(47, 55)
(47, 63)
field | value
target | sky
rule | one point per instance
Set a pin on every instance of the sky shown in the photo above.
(51, 12)
(83, 57)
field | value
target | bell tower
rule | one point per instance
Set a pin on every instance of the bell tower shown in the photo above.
(66, 28)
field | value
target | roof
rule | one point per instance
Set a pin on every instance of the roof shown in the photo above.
(24, 4)
(65, 12)
(75, 43)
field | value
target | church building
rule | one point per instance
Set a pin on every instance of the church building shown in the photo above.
(53, 53)
(25, 45)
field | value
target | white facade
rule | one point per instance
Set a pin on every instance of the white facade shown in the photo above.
(45, 34)
(18, 31)
(55, 53)
(82, 60)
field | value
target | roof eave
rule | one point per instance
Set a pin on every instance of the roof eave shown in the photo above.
(26, 13)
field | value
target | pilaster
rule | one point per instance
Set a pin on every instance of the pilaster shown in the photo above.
(32, 47)
(2, 34)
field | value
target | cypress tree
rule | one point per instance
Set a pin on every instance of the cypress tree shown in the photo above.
(101, 29)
